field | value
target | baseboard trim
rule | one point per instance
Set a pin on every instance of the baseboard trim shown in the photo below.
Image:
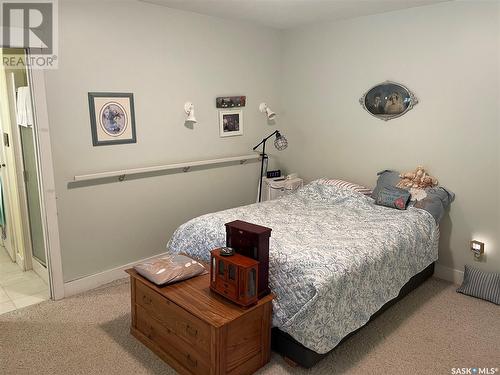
(448, 274)
(94, 281)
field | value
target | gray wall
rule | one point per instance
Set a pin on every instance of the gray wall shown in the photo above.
(165, 58)
(448, 54)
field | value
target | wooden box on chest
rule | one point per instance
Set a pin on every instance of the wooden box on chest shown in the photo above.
(252, 240)
(234, 277)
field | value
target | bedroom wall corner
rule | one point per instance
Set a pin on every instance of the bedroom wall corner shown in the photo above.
(448, 54)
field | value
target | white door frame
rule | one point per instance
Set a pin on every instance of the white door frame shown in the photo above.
(36, 79)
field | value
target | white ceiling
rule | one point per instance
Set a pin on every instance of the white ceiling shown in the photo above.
(284, 14)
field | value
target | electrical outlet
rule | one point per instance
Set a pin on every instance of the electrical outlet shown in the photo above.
(477, 248)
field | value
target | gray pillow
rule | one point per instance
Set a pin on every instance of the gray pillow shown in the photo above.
(436, 202)
(385, 178)
(480, 284)
(393, 197)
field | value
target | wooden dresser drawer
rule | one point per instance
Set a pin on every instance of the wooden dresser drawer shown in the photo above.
(187, 356)
(182, 324)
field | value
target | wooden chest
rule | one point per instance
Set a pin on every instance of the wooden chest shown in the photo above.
(252, 240)
(197, 331)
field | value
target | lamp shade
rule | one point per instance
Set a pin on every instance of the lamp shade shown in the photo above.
(264, 108)
(280, 142)
(189, 110)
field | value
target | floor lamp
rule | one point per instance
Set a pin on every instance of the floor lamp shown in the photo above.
(280, 143)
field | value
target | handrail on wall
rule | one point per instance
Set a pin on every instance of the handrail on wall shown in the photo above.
(121, 174)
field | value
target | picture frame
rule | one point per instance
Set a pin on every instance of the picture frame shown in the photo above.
(230, 101)
(230, 123)
(388, 100)
(112, 118)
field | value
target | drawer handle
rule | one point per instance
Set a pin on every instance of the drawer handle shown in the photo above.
(191, 331)
(147, 300)
(192, 362)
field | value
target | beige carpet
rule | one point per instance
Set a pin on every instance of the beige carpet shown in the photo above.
(431, 331)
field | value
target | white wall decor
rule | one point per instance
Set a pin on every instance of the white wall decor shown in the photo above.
(230, 123)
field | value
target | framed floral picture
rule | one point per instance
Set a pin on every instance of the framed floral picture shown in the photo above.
(112, 118)
(230, 123)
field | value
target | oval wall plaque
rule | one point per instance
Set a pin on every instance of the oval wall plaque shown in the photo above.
(388, 100)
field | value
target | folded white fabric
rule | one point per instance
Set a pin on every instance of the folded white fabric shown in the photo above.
(169, 269)
(24, 111)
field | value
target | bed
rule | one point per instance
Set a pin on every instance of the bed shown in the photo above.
(336, 259)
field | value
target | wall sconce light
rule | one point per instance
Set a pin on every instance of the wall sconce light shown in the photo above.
(477, 248)
(189, 110)
(264, 108)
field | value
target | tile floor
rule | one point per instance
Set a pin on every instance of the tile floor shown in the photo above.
(17, 288)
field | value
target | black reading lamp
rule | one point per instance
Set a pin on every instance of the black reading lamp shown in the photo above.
(280, 143)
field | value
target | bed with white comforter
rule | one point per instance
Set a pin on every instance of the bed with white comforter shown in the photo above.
(335, 256)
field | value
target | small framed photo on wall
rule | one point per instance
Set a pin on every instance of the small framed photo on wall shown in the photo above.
(112, 118)
(230, 123)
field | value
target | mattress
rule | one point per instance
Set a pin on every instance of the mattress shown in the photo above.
(335, 256)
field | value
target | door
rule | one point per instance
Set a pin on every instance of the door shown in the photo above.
(17, 222)
(6, 233)
(12, 233)
(32, 194)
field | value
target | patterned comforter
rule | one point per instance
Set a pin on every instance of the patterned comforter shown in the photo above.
(335, 256)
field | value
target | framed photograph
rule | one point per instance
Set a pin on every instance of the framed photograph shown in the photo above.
(230, 123)
(112, 118)
(388, 100)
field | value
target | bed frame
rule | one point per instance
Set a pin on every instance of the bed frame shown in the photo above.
(295, 352)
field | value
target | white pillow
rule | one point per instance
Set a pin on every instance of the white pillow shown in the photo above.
(346, 185)
(168, 269)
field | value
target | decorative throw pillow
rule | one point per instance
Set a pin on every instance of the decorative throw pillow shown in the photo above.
(433, 200)
(385, 178)
(393, 197)
(169, 269)
(347, 185)
(480, 284)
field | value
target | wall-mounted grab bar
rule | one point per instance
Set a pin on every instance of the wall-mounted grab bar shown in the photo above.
(121, 174)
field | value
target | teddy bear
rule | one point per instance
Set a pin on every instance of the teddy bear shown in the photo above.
(419, 179)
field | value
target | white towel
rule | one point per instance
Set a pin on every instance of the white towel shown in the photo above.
(24, 113)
